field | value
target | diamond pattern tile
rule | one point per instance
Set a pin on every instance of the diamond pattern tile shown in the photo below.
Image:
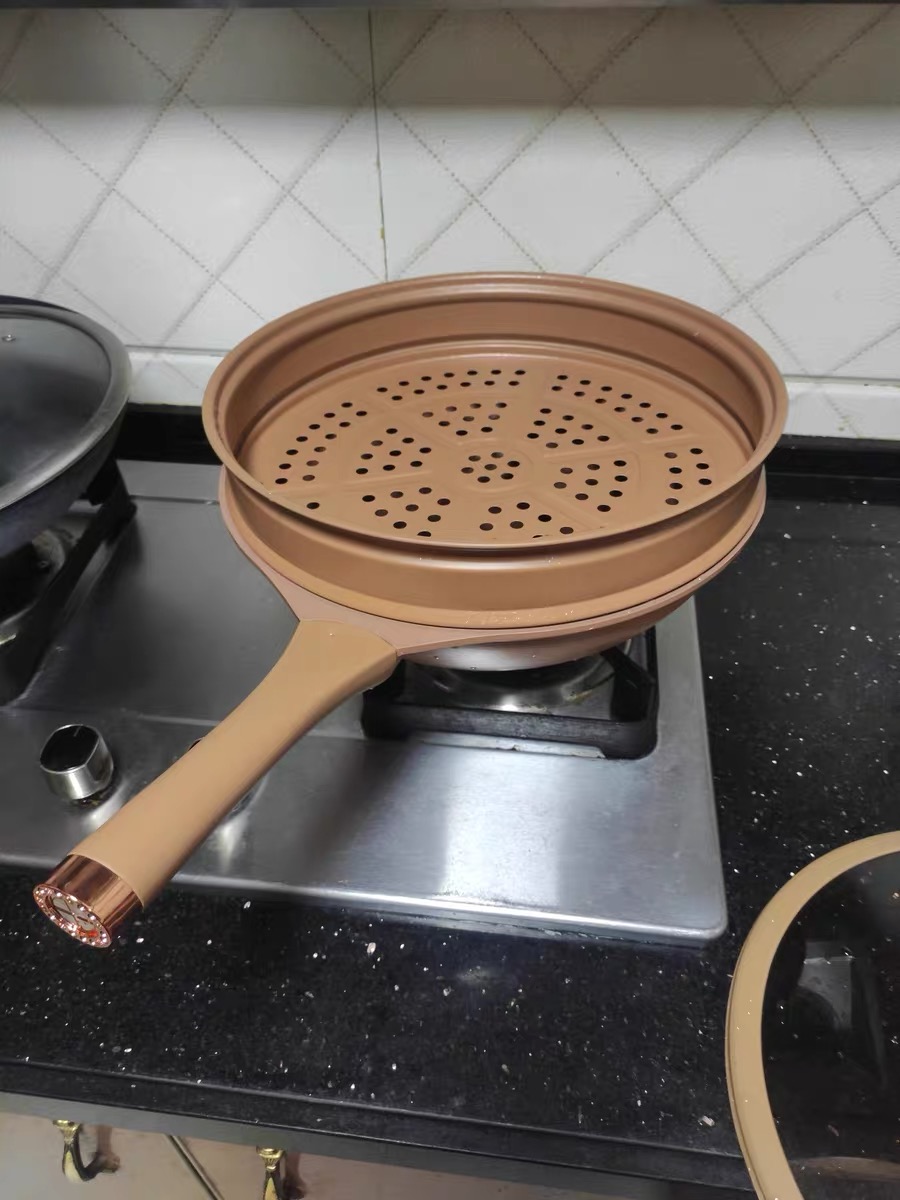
(726, 124)
(850, 272)
(886, 211)
(572, 195)
(35, 171)
(474, 242)
(13, 27)
(196, 183)
(58, 291)
(752, 207)
(332, 185)
(795, 40)
(184, 176)
(129, 265)
(275, 86)
(171, 45)
(349, 40)
(397, 33)
(291, 261)
(662, 254)
(879, 359)
(476, 91)
(421, 197)
(747, 317)
(852, 106)
(577, 49)
(176, 140)
(218, 320)
(87, 86)
(682, 93)
(21, 271)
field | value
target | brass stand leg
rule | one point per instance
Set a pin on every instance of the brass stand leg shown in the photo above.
(282, 1181)
(73, 1165)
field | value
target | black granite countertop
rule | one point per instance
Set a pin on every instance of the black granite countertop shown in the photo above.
(606, 1057)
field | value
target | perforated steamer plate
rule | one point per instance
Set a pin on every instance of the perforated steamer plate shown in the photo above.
(494, 449)
(495, 419)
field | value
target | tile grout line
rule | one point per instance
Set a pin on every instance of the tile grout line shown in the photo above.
(784, 97)
(664, 204)
(176, 85)
(472, 200)
(300, 14)
(284, 190)
(784, 100)
(25, 27)
(790, 103)
(173, 80)
(284, 195)
(376, 87)
(21, 245)
(822, 238)
(410, 51)
(882, 337)
(211, 273)
(4, 232)
(376, 117)
(789, 97)
(474, 196)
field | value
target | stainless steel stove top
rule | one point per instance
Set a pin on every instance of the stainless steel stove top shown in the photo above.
(487, 831)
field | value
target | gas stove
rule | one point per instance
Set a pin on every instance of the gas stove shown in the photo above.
(575, 799)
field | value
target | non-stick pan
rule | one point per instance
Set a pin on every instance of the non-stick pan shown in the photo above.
(482, 470)
(63, 386)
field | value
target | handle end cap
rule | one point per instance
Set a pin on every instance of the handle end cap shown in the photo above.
(86, 900)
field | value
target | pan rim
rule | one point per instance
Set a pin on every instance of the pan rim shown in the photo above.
(102, 419)
(729, 343)
(505, 626)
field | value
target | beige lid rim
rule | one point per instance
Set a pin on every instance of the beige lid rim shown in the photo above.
(751, 1112)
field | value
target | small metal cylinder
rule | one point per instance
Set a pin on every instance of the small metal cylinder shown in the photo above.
(76, 762)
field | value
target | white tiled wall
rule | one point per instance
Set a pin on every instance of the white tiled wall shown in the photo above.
(186, 175)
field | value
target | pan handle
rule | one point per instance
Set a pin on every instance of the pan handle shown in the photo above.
(122, 865)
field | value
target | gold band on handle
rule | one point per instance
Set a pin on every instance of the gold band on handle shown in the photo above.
(86, 900)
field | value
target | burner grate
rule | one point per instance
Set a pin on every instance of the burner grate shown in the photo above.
(609, 702)
(39, 582)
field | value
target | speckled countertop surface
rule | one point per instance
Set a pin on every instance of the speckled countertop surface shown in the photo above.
(604, 1056)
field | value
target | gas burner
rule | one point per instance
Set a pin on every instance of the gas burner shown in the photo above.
(535, 689)
(25, 575)
(38, 581)
(608, 701)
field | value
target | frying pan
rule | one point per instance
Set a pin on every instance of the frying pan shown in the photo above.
(479, 470)
(63, 387)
